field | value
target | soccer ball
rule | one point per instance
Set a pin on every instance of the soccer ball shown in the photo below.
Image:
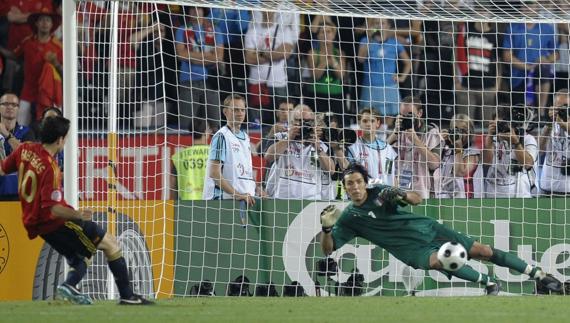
(452, 256)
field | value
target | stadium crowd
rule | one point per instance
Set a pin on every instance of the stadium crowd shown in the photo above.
(447, 108)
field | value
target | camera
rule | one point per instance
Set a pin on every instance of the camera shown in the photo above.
(343, 136)
(515, 167)
(563, 113)
(565, 169)
(408, 122)
(326, 267)
(503, 127)
(332, 133)
(455, 135)
(354, 285)
(307, 130)
(513, 118)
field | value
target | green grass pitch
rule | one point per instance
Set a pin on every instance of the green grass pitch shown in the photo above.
(333, 309)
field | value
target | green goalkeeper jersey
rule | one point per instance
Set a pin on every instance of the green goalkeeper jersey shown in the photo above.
(388, 226)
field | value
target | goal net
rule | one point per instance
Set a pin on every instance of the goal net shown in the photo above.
(418, 84)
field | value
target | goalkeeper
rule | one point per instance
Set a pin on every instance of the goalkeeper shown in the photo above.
(375, 214)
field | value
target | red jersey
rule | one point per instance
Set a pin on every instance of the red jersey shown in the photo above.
(34, 52)
(39, 186)
(19, 31)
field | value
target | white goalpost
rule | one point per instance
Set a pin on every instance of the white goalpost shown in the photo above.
(146, 80)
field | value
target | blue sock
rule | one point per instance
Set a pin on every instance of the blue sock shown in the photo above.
(78, 269)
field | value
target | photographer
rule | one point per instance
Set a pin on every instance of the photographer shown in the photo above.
(460, 174)
(375, 155)
(302, 165)
(555, 174)
(510, 154)
(418, 147)
(337, 138)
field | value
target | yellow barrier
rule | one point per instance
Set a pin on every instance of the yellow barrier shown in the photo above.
(19, 255)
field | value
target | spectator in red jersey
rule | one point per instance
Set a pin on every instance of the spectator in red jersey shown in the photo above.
(43, 59)
(18, 13)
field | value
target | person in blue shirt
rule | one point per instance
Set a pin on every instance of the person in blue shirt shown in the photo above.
(379, 53)
(12, 135)
(199, 49)
(530, 48)
(233, 25)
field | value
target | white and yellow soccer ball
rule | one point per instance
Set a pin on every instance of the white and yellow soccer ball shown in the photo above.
(452, 256)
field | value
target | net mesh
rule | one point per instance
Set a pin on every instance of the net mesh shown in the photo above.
(453, 65)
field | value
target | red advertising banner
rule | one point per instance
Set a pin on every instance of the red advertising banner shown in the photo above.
(144, 168)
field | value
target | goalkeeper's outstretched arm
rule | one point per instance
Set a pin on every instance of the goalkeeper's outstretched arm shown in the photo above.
(329, 216)
(327, 244)
(413, 198)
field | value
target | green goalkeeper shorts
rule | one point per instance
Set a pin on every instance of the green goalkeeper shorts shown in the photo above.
(417, 256)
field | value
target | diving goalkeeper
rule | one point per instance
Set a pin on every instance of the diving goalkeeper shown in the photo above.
(375, 214)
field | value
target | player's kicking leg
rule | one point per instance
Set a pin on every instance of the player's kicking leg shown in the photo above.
(118, 267)
(67, 290)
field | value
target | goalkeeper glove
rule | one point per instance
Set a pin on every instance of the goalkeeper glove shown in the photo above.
(329, 216)
(392, 195)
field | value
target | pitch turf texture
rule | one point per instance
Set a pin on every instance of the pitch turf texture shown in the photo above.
(339, 309)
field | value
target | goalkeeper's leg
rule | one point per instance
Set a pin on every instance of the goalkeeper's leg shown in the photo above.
(492, 287)
(505, 259)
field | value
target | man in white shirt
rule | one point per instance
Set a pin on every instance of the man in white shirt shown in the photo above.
(229, 174)
(302, 164)
(555, 140)
(511, 154)
(418, 146)
(270, 40)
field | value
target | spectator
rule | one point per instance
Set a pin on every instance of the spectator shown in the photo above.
(18, 14)
(302, 164)
(199, 47)
(418, 146)
(230, 169)
(151, 62)
(337, 139)
(279, 128)
(439, 60)
(375, 155)
(461, 173)
(554, 177)
(328, 65)
(561, 67)
(478, 55)
(269, 42)
(379, 52)
(190, 165)
(510, 153)
(43, 70)
(233, 24)
(13, 132)
(530, 49)
(13, 135)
